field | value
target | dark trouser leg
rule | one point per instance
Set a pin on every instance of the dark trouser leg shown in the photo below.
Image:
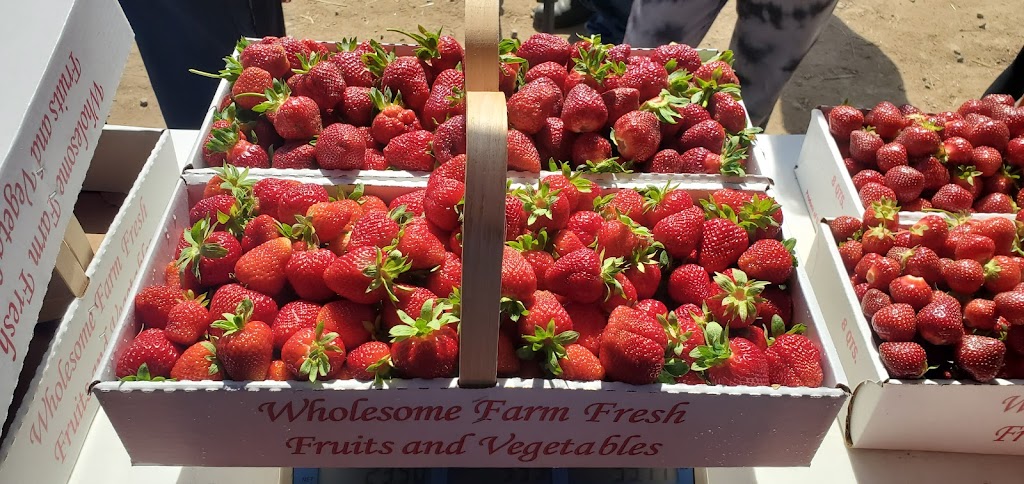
(1011, 81)
(769, 41)
(656, 22)
(175, 35)
(609, 19)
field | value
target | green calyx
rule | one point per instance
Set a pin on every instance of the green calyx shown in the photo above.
(664, 106)
(212, 357)
(705, 91)
(317, 364)
(654, 195)
(885, 210)
(455, 301)
(758, 213)
(307, 63)
(198, 248)
(967, 173)
(427, 41)
(610, 268)
(513, 308)
(144, 375)
(594, 63)
(608, 165)
(276, 96)
(301, 231)
(530, 241)
(537, 202)
(434, 315)
(739, 296)
(223, 139)
(715, 349)
(547, 344)
(388, 266)
(734, 153)
(676, 336)
(234, 180)
(347, 44)
(377, 60)
(234, 322)
(384, 99)
(778, 328)
(232, 67)
(381, 370)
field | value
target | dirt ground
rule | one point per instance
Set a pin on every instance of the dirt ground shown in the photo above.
(932, 53)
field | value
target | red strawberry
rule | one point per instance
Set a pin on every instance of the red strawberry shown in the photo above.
(262, 268)
(887, 119)
(356, 105)
(941, 322)
(518, 280)
(292, 317)
(583, 110)
(965, 276)
(259, 230)
(187, 321)
(843, 120)
(1002, 231)
(228, 296)
(895, 322)
(864, 145)
(364, 274)
(295, 155)
(881, 273)
(209, 208)
(973, 246)
(426, 346)
(375, 229)
(392, 117)
(252, 80)
(911, 290)
(690, 284)
(1010, 305)
(446, 278)
(653, 307)
(355, 323)
(246, 346)
(551, 70)
(728, 112)
(304, 271)
(580, 364)
(873, 301)
(324, 82)
(403, 75)
(877, 240)
(540, 48)
(410, 298)
(769, 260)
(669, 161)
(989, 132)
(1015, 152)
(719, 70)
(154, 303)
(919, 141)
(533, 104)
(311, 353)
(149, 355)
(645, 76)
(522, 154)
(980, 356)
(952, 198)
(198, 362)
(731, 362)
(622, 100)
(330, 219)
(874, 192)
(544, 313)
(580, 276)
(851, 252)
(957, 151)
(906, 182)
(793, 361)
(268, 193)
(423, 249)
(637, 136)
(632, 347)
(987, 160)
(935, 173)
(591, 147)
(723, 243)
(734, 301)
(294, 117)
(441, 201)
(447, 99)
(844, 227)
(903, 359)
(585, 225)
(589, 322)
(980, 314)
(411, 151)
(1001, 274)
(867, 176)
(371, 361)
(995, 203)
(209, 256)
(554, 141)
(685, 57)
(890, 155)
(544, 208)
(705, 134)
(270, 57)
(297, 200)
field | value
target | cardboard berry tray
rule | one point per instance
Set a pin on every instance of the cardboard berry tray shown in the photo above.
(901, 414)
(826, 183)
(512, 422)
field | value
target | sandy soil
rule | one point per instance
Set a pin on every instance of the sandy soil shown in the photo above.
(932, 53)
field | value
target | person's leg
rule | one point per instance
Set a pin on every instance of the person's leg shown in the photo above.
(770, 39)
(609, 19)
(657, 22)
(1011, 81)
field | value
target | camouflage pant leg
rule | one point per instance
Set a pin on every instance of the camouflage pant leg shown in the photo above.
(769, 40)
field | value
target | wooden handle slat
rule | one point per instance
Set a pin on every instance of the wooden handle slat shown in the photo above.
(483, 237)
(480, 63)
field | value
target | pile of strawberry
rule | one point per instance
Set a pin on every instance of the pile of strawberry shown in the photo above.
(945, 299)
(277, 280)
(967, 160)
(599, 106)
(586, 277)
(296, 104)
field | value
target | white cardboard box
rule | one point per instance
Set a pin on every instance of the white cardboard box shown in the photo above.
(827, 187)
(519, 423)
(68, 56)
(887, 413)
(51, 423)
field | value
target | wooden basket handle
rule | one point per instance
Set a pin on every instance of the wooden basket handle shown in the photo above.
(483, 31)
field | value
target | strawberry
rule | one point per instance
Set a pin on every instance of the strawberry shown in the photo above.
(340, 147)
(447, 99)
(545, 209)
(728, 112)
(259, 230)
(522, 153)
(851, 253)
(187, 321)
(980, 314)
(356, 107)
(392, 117)
(843, 120)
(632, 347)
(1001, 274)
(989, 132)
(910, 290)
(794, 361)
(153, 305)
(980, 356)
(895, 322)
(646, 76)
(589, 322)
(324, 82)
(554, 141)
(957, 151)
(730, 362)
(620, 237)
(210, 208)
(973, 246)
(628, 202)
(722, 245)
(622, 100)
(540, 48)
(446, 278)
(551, 70)
(1015, 152)
(198, 362)
(877, 240)
(965, 276)
(1010, 305)
(409, 299)
(690, 284)
(404, 75)
(441, 201)
(905, 182)
(269, 57)
(705, 134)
(636, 135)
(580, 364)
(295, 155)
(903, 359)
(533, 104)
(995, 203)
(364, 274)
(294, 117)
(355, 323)
(227, 297)
(209, 256)
(930, 231)
(262, 268)
(580, 276)
(864, 145)
(844, 227)
(375, 229)
(662, 202)
(427, 346)
(292, 317)
(297, 199)
(583, 110)
(923, 262)
(246, 346)
(919, 141)
(653, 307)
(941, 322)
(873, 301)
(515, 217)
(411, 151)
(423, 249)
(268, 193)
(769, 260)
(311, 353)
(867, 176)
(734, 301)
(987, 160)
(329, 219)
(775, 302)
(875, 192)
(252, 80)
(370, 361)
(669, 161)
(887, 119)
(304, 271)
(150, 354)
(685, 57)
(585, 225)
(935, 174)
(591, 147)
(1002, 232)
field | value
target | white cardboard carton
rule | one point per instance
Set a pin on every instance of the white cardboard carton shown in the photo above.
(887, 413)
(69, 62)
(53, 420)
(827, 187)
(421, 423)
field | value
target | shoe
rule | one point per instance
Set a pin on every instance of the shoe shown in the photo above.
(568, 13)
